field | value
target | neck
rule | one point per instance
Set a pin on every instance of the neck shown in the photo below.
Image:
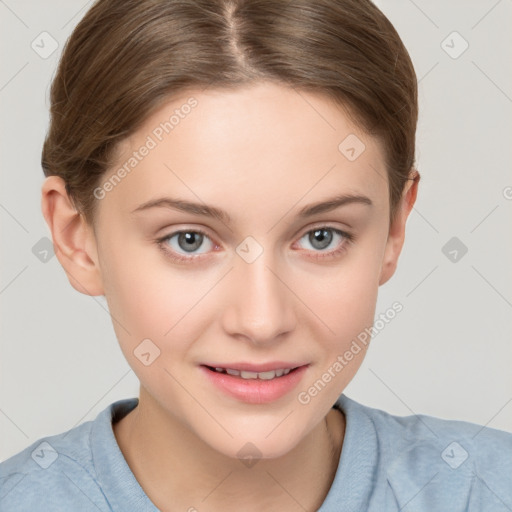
(177, 470)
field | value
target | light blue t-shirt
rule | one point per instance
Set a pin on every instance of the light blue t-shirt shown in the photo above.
(388, 463)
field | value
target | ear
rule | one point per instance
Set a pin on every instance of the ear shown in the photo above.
(396, 235)
(73, 239)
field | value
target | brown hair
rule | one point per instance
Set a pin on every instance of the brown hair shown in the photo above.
(125, 58)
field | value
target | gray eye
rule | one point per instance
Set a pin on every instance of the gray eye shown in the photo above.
(190, 241)
(320, 238)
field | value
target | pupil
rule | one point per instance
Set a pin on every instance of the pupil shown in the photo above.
(193, 240)
(324, 236)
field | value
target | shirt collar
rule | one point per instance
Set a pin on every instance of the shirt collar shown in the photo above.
(350, 490)
(353, 482)
(118, 483)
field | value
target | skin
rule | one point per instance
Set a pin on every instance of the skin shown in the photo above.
(261, 153)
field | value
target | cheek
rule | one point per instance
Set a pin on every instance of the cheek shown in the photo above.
(348, 307)
(345, 295)
(149, 298)
(344, 298)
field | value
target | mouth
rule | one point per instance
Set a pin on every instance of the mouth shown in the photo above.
(244, 384)
(245, 374)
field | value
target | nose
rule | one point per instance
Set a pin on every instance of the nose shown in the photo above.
(261, 307)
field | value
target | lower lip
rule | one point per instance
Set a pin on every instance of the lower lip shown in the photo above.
(255, 391)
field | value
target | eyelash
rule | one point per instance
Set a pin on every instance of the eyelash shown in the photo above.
(348, 240)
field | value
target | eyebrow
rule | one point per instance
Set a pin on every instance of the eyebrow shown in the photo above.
(324, 206)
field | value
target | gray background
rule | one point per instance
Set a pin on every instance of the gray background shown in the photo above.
(447, 354)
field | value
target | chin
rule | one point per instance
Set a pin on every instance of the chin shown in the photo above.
(254, 446)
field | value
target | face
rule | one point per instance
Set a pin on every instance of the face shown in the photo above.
(271, 281)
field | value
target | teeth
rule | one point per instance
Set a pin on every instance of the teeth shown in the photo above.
(249, 375)
(254, 375)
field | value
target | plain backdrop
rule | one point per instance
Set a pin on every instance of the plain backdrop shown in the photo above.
(447, 354)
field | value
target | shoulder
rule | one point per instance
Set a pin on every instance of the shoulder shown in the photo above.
(417, 425)
(52, 473)
(434, 459)
(484, 442)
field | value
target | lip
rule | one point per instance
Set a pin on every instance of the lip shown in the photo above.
(251, 367)
(255, 391)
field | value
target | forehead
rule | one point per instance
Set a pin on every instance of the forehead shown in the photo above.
(263, 142)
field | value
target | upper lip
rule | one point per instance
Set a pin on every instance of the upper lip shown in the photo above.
(258, 368)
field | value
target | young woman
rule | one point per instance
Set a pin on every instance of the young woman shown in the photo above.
(235, 178)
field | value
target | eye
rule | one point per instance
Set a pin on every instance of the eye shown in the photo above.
(185, 243)
(182, 246)
(322, 237)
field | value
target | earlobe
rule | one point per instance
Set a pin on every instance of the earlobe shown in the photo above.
(73, 239)
(396, 234)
